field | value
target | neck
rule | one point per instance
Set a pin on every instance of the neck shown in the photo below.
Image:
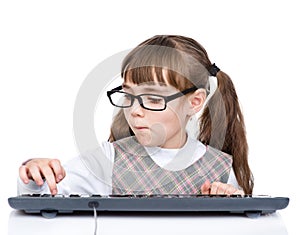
(176, 142)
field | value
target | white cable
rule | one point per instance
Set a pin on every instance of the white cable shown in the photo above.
(95, 217)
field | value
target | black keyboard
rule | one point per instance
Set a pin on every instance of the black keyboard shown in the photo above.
(49, 206)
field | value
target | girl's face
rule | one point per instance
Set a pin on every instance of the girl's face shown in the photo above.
(158, 128)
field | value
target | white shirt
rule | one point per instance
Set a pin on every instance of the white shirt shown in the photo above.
(91, 173)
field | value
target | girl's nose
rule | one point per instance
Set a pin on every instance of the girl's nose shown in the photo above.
(136, 109)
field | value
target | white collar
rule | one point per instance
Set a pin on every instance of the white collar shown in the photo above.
(177, 159)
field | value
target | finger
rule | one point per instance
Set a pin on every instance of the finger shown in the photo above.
(205, 187)
(223, 188)
(50, 179)
(229, 189)
(36, 174)
(57, 169)
(23, 174)
(238, 192)
(214, 187)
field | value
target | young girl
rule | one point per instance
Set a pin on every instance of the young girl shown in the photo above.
(165, 83)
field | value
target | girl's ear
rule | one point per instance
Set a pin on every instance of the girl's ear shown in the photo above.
(196, 101)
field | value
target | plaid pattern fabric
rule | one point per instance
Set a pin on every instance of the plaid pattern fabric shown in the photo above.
(135, 172)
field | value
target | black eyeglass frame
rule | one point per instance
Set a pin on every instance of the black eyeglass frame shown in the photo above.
(140, 100)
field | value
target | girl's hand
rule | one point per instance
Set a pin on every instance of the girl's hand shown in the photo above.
(220, 188)
(43, 169)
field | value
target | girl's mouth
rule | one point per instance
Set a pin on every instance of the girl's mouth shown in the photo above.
(141, 128)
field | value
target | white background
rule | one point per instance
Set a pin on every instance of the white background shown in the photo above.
(47, 49)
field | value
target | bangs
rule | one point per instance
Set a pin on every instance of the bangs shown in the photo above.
(164, 66)
(156, 75)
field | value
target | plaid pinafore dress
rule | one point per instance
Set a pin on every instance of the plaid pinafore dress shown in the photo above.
(134, 171)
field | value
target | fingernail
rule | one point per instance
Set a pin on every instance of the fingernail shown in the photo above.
(59, 178)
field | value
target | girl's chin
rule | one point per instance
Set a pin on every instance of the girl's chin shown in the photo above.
(148, 140)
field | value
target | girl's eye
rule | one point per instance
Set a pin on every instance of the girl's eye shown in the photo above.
(155, 99)
(127, 97)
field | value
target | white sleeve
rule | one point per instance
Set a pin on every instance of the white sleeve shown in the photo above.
(80, 178)
(232, 179)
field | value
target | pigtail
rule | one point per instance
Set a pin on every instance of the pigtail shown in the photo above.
(222, 127)
(119, 128)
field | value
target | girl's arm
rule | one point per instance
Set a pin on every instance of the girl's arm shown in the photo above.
(44, 175)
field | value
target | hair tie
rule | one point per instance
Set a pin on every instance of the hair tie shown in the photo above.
(213, 70)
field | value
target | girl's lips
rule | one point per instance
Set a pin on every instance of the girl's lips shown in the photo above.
(141, 127)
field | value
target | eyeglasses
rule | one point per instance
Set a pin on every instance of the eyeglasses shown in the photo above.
(151, 102)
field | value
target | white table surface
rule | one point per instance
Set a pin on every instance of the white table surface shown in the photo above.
(136, 224)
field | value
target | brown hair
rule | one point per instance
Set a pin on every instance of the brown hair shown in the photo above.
(186, 63)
